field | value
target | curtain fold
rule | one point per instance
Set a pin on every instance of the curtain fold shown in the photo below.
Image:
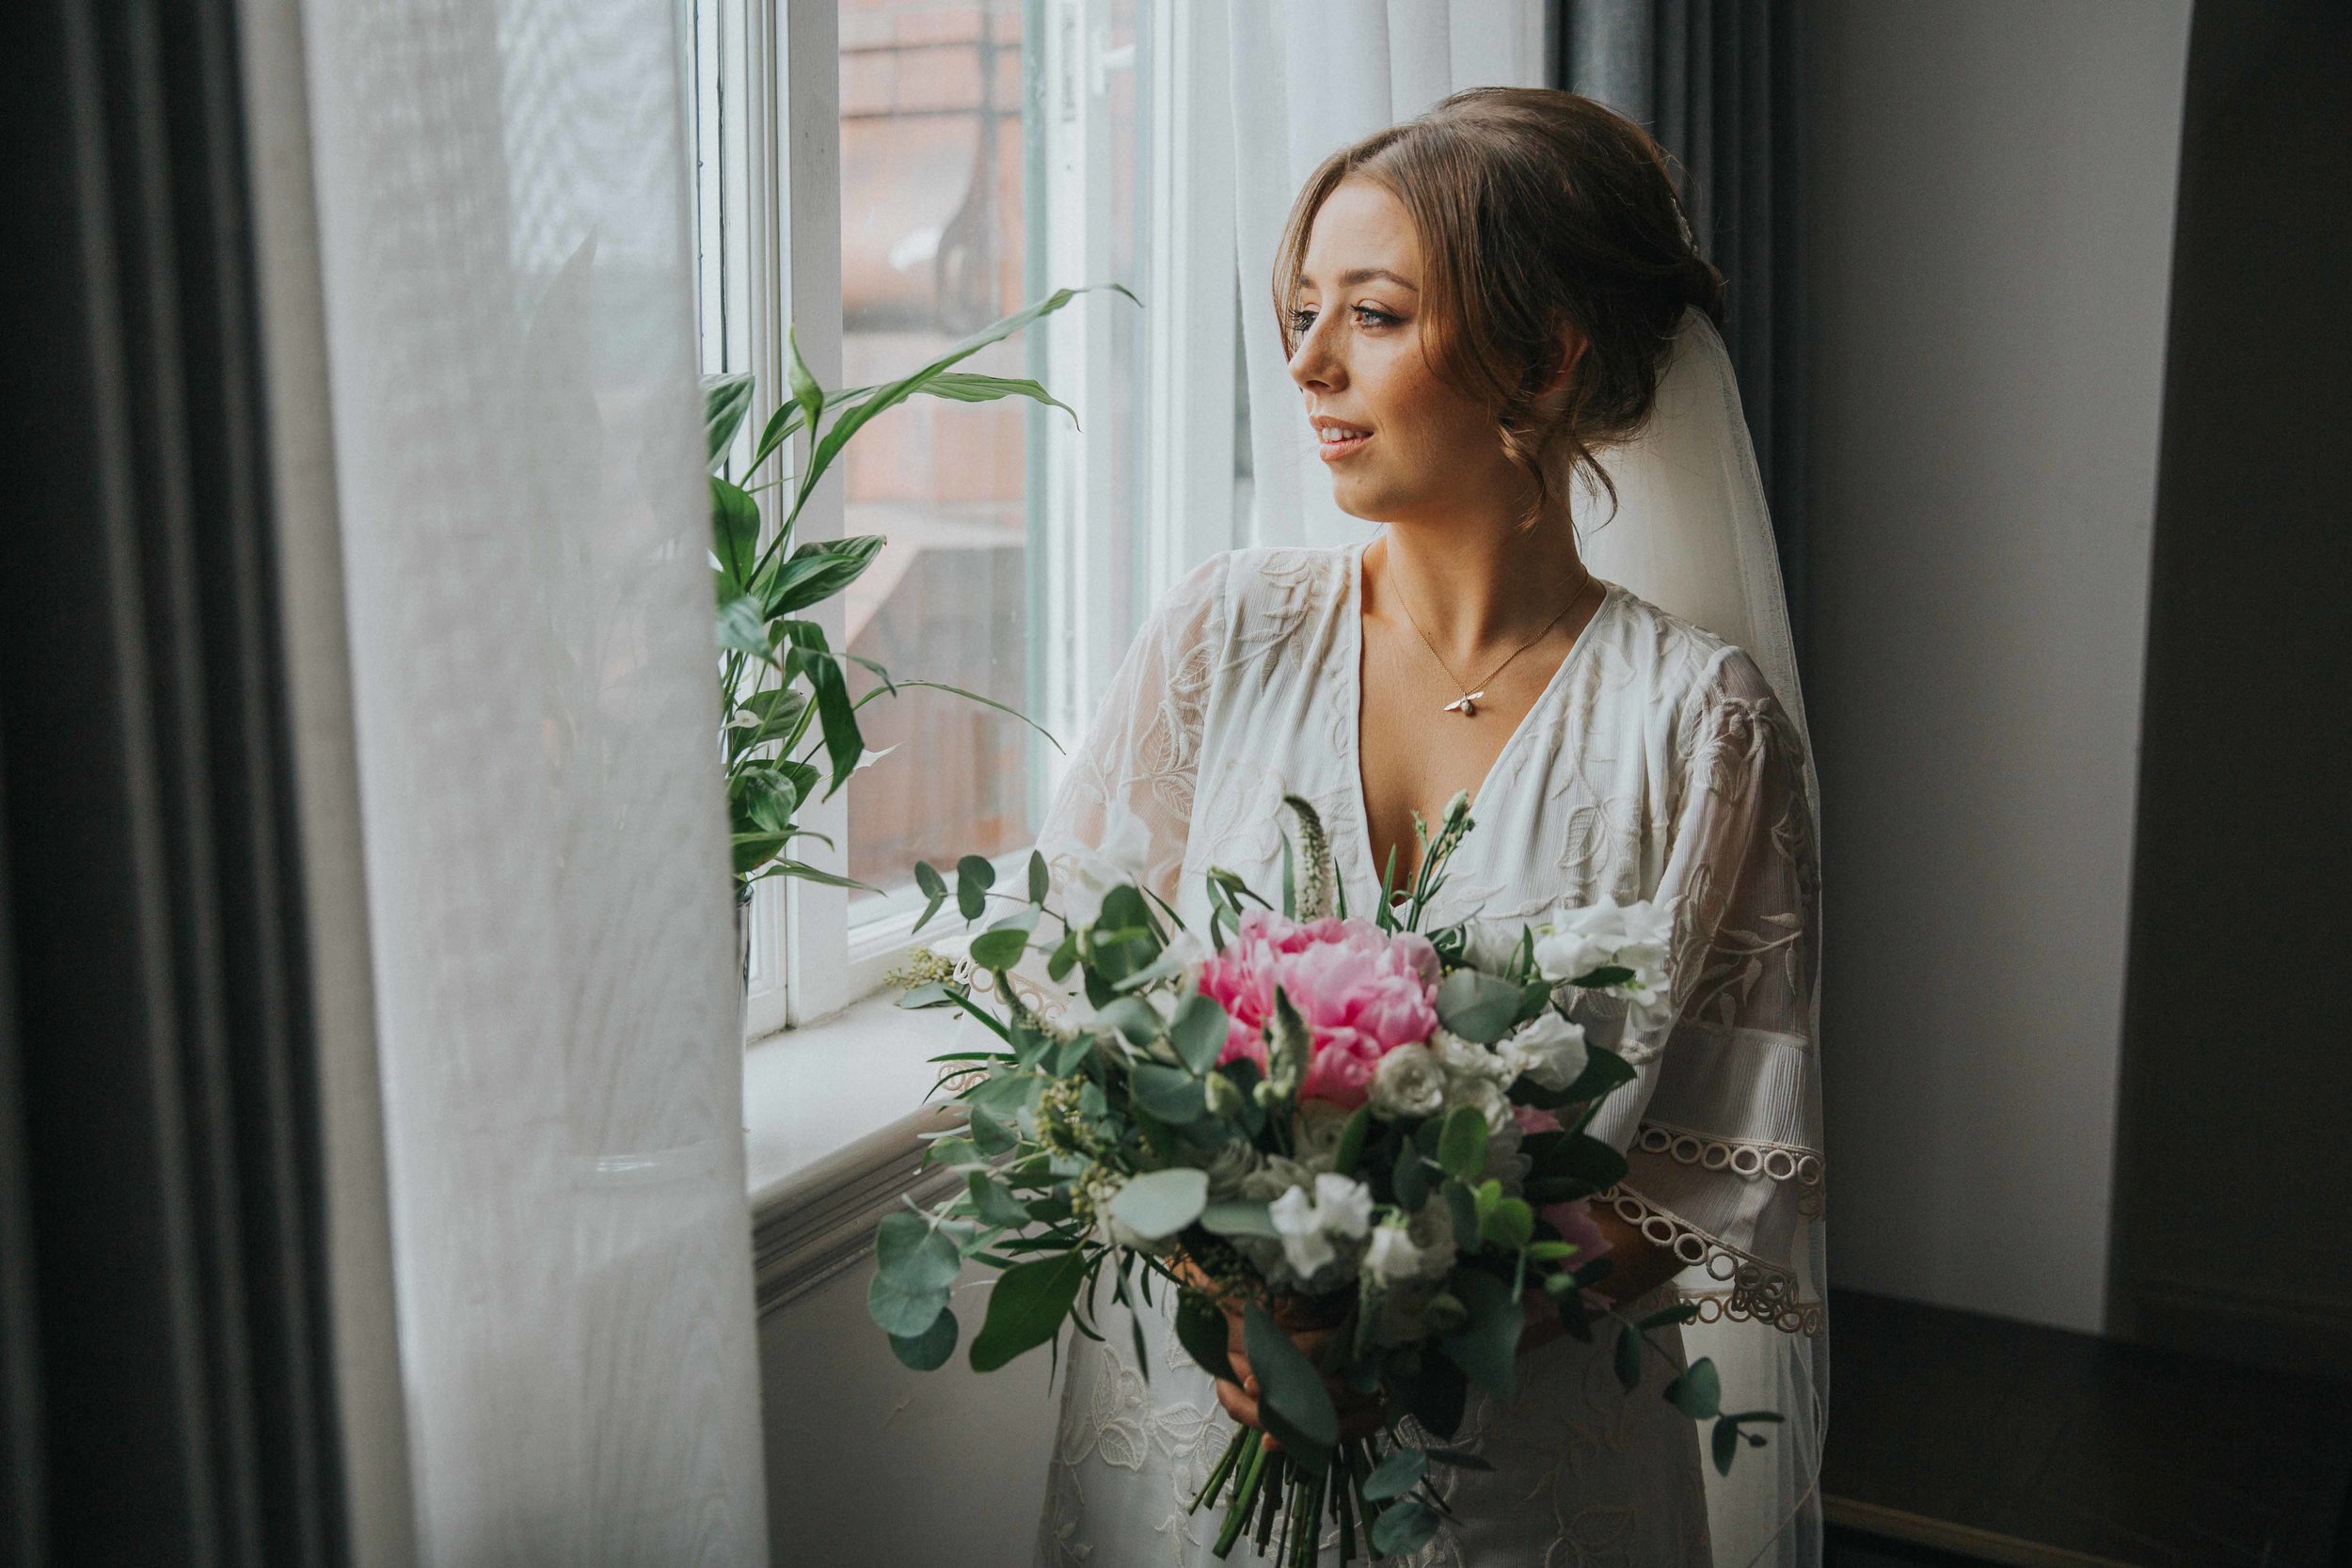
(1715, 81)
(505, 265)
(1308, 78)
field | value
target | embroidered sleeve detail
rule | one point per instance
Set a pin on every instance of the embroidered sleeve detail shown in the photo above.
(1752, 1160)
(1751, 1289)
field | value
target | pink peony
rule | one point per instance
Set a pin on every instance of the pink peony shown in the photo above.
(1361, 991)
(1575, 1223)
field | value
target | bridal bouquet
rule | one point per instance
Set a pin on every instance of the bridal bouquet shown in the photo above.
(1306, 1123)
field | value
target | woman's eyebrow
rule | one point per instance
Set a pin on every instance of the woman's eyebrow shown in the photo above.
(1365, 275)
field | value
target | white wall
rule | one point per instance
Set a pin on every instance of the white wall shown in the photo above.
(870, 1465)
(1989, 241)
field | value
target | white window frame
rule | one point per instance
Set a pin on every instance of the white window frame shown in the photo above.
(767, 110)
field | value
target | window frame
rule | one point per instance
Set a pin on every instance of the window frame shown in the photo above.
(766, 103)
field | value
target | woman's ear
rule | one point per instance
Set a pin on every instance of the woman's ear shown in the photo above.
(1563, 370)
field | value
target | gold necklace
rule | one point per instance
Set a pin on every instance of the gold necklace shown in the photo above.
(1467, 703)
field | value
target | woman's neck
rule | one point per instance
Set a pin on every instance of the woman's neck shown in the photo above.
(1471, 587)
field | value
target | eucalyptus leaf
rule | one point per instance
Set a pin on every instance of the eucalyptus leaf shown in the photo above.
(929, 1351)
(1486, 1347)
(1160, 1203)
(1171, 1094)
(1200, 1328)
(1040, 880)
(975, 876)
(1198, 1031)
(992, 1204)
(1396, 1475)
(1026, 1308)
(1462, 1143)
(1000, 947)
(914, 1267)
(1726, 1442)
(1477, 1006)
(1350, 1153)
(1236, 1217)
(1698, 1392)
(1404, 1528)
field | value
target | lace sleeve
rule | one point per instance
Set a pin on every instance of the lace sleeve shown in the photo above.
(1132, 779)
(1722, 1131)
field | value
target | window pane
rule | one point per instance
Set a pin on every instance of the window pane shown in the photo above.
(957, 210)
(933, 230)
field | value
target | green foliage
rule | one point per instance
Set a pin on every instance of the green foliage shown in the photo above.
(914, 1267)
(784, 698)
(1160, 1203)
(1028, 1307)
(1479, 1007)
(1292, 1400)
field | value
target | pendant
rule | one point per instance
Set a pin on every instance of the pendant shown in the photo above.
(1466, 704)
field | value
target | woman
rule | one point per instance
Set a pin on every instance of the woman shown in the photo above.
(1480, 309)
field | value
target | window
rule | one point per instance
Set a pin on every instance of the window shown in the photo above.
(885, 176)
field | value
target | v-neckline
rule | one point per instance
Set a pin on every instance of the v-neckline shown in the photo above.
(1352, 608)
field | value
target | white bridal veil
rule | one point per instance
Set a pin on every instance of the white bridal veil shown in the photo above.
(1691, 533)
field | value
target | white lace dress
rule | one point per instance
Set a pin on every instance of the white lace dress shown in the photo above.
(1656, 764)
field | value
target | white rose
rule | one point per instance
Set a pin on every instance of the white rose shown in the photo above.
(1305, 1246)
(1488, 1096)
(1464, 1061)
(1393, 1259)
(1227, 1167)
(1274, 1177)
(1315, 1132)
(1408, 1082)
(1550, 1051)
(1343, 1205)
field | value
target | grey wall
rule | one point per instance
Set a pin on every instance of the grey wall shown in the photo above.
(2237, 1083)
(1988, 238)
(870, 1465)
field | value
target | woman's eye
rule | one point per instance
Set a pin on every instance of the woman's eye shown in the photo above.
(1302, 322)
(1367, 315)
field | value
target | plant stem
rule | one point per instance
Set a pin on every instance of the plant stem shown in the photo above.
(1245, 1494)
(1224, 1467)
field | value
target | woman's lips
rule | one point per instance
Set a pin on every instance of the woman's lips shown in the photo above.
(1336, 442)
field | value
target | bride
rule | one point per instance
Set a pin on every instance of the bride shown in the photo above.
(1500, 331)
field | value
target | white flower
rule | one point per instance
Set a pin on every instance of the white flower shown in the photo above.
(1466, 1062)
(1393, 1259)
(1228, 1166)
(1549, 1050)
(1344, 1205)
(1184, 949)
(1638, 937)
(1409, 1081)
(1305, 1246)
(1123, 857)
(1488, 1096)
(1315, 1132)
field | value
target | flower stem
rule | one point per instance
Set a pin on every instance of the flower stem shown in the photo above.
(1215, 1483)
(1253, 1466)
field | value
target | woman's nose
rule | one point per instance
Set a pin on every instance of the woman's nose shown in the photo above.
(1315, 362)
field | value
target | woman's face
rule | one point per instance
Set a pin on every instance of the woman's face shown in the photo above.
(1400, 444)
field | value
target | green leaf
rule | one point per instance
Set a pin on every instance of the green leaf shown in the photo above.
(1201, 1329)
(1040, 880)
(1479, 1007)
(1001, 945)
(1236, 1217)
(808, 397)
(929, 1351)
(1026, 1308)
(1462, 1146)
(1396, 1475)
(1488, 1346)
(1604, 1070)
(844, 743)
(915, 1266)
(975, 876)
(739, 629)
(1404, 1528)
(1510, 1224)
(765, 797)
(725, 400)
(934, 891)
(734, 533)
(1292, 1400)
(990, 1134)
(754, 850)
(1629, 1358)
(1133, 1017)
(1160, 1203)
(1727, 1444)
(1410, 1179)
(1198, 1031)
(1350, 1153)
(817, 571)
(966, 387)
(991, 1203)
(853, 417)
(1698, 1392)
(1168, 1093)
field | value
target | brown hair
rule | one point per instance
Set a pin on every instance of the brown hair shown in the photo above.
(1537, 211)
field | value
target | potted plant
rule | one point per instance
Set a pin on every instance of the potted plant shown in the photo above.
(788, 726)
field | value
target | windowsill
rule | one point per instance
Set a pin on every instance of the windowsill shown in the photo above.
(811, 1092)
(836, 1122)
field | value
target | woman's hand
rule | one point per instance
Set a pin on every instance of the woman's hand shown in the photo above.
(1360, 1415)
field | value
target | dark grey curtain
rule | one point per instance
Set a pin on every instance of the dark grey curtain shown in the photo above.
(1715, 81)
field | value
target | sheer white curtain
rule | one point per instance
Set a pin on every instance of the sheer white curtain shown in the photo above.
(1309, 76)
(503, 251)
